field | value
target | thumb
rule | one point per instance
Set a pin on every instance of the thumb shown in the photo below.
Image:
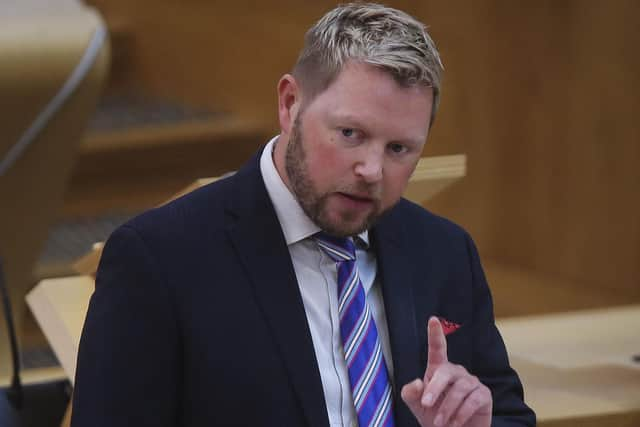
(411, 394)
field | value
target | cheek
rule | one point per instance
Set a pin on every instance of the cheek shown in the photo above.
(329, 153)
(395, 184)
(326, 163)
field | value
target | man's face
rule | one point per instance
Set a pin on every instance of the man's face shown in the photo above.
(353, 148)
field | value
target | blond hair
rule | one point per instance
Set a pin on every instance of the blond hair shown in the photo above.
(370, 33)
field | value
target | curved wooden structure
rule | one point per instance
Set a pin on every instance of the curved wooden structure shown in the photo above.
(40, 46)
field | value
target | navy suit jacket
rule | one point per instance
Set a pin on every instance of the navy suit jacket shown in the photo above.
(197, 319)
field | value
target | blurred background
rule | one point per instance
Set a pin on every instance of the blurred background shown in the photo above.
(542, 96)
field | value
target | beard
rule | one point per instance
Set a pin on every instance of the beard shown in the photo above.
(314, 203)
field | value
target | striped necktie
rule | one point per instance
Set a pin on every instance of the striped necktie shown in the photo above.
(368, 375)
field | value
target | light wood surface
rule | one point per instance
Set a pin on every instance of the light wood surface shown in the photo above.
(520, 291)
(87, 264)
(60, 307)
(433, 175)
(66, 421)
(577, 340)
(135, 169)
(598, 395)
(219, 129)
(578, 365)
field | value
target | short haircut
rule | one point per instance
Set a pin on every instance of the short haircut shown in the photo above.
(373, 34)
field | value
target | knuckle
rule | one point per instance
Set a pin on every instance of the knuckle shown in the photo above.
(476, 400)
(468, 383)
(474, 381)
(465, 384)
(487, 394)
(440, 370)
(444, 375)
(458, 394)
(458, 370)
(484, 390)
(480, 397)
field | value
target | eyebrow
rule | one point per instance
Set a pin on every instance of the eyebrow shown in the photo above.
(349, 118)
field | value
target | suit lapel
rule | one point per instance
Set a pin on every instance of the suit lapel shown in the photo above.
(258, 240)
(394, 266)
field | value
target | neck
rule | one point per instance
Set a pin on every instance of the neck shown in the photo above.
(279, 158)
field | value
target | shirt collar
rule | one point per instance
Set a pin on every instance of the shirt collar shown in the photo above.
(296, 225)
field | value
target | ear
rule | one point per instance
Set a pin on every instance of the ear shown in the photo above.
(289, 101)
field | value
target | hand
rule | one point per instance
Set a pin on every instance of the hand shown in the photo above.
(448, 395)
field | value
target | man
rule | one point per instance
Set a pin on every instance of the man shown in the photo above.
(303, 290)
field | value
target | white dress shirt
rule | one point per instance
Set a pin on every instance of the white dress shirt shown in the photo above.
(317, 280)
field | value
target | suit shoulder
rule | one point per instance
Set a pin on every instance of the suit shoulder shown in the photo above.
(197, 212)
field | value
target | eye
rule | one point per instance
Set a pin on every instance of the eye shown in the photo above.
(397, 148)
(348, 132)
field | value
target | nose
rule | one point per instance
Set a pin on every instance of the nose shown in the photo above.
(370, 165)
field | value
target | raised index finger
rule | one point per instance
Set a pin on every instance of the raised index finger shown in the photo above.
(437, 346)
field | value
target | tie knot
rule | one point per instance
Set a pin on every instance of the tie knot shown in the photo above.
(337, 248)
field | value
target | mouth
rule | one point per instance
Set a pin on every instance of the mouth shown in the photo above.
(363, 198)
(357, 199)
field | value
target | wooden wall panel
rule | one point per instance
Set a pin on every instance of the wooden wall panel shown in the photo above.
(570, 148)
(555, 163)
(466, 121)
(215, 53)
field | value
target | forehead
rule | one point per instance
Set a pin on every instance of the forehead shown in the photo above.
(373, 98)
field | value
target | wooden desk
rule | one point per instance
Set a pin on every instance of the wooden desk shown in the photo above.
(578, 367)
(60, 307)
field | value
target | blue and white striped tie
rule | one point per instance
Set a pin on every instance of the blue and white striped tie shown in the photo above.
(368, 375)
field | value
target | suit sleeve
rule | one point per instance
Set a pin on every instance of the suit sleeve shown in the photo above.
(490, 362)
(128, 363)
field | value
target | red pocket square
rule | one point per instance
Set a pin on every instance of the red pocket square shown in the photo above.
(448, 327)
